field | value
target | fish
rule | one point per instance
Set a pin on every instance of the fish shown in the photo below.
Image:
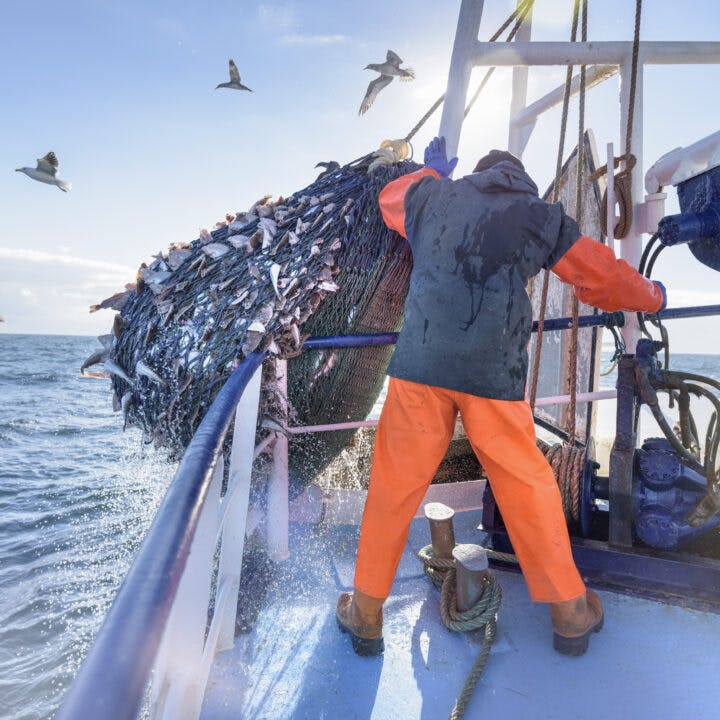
(114, 302)
(251, 341)
(142, 369)
(239, 242)
(281, 243)
(274, 275)
(291, 286)
(107, 341)
(154, 276)
(295, 333)
(114, 369)
(271, 424)
(95, 359)
(125, 403)
(215, 250)
(255, 272)
(177, 257)
(269, 228)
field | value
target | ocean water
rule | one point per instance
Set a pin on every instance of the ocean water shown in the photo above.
(76, 498)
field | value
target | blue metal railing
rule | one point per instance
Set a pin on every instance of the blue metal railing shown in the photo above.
(112, 679)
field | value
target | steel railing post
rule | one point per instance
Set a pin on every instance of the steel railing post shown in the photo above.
(277, 499)
(176, 694)
(238, 493)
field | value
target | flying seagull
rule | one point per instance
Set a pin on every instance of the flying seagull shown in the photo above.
(46, 171)
(388, 70)
(234, 83)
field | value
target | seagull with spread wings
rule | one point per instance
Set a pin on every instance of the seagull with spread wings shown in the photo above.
(46, 171)
(388, 70)
(234, 83)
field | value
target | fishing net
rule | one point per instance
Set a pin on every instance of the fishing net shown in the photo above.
(320, 262)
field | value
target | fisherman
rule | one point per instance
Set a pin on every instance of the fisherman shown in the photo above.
(476, 242)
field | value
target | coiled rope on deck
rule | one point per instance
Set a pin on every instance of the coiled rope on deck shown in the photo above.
(481, 616)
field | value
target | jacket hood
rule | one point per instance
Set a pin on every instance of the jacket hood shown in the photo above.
(505, 176)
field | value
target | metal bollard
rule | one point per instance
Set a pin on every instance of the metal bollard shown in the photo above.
(471, 567)
(442, 533)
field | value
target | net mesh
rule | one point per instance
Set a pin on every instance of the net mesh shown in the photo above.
(320, 262)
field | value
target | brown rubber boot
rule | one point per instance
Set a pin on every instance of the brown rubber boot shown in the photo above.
(361, 616)
(573, 621)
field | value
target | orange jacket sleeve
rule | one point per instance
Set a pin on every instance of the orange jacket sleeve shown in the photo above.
(601, 280)
(392, 198)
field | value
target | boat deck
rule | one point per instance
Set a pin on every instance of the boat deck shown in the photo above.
(650, 661)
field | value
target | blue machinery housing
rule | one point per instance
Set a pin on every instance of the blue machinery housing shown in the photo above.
(112, 680)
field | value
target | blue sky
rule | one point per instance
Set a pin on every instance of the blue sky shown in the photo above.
(123, 92)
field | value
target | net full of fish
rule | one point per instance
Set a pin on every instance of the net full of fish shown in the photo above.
(320, 262)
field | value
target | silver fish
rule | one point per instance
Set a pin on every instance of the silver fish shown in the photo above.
(177, 257)
(264, 313)
(95, 359)
(252, 340)
(125, 403)
(114, 369)
(114, 302)
(155, 276)
(295, 332)
(238, 241)
(142, 369)
(255, 272)
(269, 228)
(107, 341)
(272, 424)
(215, 250)
(274, 276)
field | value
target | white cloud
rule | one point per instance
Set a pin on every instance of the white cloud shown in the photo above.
(44, 258)
(299, 39)
(27, 293)
(280, 17)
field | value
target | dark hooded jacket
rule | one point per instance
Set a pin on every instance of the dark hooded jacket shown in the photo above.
(476, 242)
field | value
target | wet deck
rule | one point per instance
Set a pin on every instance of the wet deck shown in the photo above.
(650, 661)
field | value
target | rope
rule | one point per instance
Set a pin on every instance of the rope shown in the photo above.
(623, 180)
(567, 463)
(481, 616)
(580, 176)
(520, 12)
(558, 173)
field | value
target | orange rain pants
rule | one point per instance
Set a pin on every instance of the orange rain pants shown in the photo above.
(413, 434)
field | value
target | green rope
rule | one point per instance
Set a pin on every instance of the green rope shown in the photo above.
(482, 615)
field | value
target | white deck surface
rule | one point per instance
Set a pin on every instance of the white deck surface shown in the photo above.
(651, 661)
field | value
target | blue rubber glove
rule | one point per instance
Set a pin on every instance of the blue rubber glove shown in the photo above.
(664, 294)
(436, 157)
